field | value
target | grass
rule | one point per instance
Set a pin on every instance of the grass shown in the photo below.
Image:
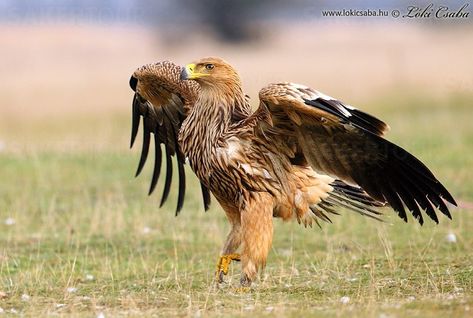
(86, 239)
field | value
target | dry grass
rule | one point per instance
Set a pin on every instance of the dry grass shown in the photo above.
(79, 236)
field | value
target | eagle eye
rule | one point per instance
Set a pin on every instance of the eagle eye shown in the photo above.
(209, 66)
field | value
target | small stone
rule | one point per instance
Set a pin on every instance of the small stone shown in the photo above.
(60, 305)
(286, 252)
(89, 277)
(101, 315)
(146, 230)
(345, 300)
(10, 221)
(451, 238)
(3, 295)
(457, 289)
(71, 290)
(25, 297)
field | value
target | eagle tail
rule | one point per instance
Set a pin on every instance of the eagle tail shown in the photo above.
(348, 197)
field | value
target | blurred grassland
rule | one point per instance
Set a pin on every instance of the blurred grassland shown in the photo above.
(86, 238)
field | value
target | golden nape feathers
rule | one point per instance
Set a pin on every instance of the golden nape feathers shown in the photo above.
(301, 155)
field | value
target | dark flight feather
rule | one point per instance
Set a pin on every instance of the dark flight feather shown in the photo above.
(157, 164)
(205, 196)
(161, 99)
(144, 151)
(135, 123)
(168, 179)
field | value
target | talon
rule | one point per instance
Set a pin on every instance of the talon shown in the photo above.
(245, 281)
(223, 265)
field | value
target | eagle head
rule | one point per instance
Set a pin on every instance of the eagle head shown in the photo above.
(211, 71)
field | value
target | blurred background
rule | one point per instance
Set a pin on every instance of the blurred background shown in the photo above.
(66, 61)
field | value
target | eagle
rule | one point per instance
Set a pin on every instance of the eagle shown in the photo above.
(300, 155)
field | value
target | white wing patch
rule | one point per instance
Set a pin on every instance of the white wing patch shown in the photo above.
(234, 155)
(233, 148)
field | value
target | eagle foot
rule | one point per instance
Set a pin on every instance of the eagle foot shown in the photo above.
(223, 264)
(242, 290)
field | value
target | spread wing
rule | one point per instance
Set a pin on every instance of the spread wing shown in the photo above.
(162, 100)
(346, 143)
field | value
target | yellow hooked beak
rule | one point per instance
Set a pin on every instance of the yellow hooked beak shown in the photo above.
(189, 73)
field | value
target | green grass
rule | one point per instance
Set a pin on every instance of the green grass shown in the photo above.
(83, 222)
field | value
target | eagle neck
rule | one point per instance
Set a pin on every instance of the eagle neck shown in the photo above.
(210, 121)
(218, 107)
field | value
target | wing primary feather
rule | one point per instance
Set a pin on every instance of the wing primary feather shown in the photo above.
(437, 195)
(182, 181)
(167, 182)
(426, 206)
(157, 163)
(135, 120)
(440, 205)
(434, 185)
(420, 190)
(144, 150)
(205, 196)
(392, 198)
(446, 195)
(409, 201)
(356, 193)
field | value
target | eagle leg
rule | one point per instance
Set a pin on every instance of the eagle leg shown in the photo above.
(223, 265)
(256, 235)
(232, 243)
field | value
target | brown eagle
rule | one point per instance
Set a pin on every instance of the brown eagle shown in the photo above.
(301, 155)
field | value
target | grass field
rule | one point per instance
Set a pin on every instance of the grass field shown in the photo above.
(80, 237)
